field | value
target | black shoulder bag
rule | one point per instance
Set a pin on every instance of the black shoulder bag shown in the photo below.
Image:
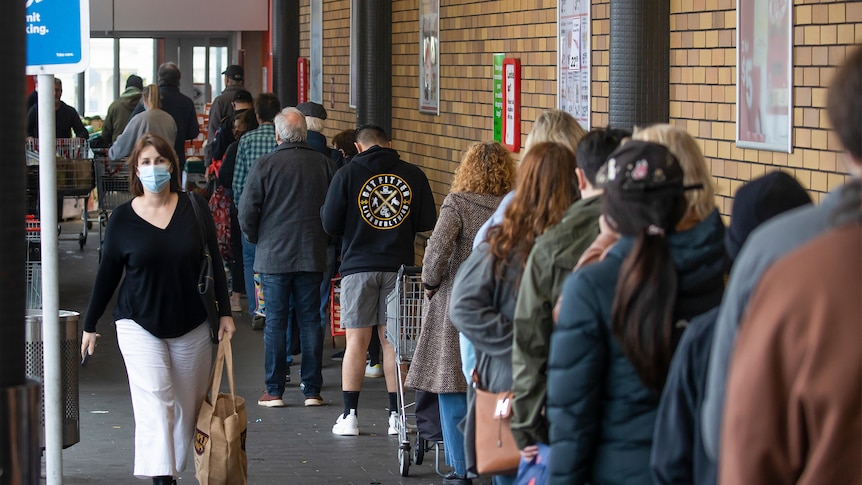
(206, 282)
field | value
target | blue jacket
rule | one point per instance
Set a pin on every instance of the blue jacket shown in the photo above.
(601, 415)
(679, 456)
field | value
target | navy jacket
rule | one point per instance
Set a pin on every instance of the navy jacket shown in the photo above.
(601, 415)
(678, 455)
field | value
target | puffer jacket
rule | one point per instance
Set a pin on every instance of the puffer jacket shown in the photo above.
(601, 415)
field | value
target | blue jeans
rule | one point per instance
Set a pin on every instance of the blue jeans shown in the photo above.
(248, 250)
(453, 408)
(304, 287)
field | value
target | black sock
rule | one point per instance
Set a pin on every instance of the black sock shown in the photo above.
(351, 401)
(393, 402)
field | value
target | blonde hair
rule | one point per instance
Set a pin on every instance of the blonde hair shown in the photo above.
(151, 97)
(486, 169)
(556, 126)
(694, 168)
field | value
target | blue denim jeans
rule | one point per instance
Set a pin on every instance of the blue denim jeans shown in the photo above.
(453, 408)
(304, 287)
(248, 250)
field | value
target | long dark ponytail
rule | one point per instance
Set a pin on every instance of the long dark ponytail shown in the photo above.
(643, 307)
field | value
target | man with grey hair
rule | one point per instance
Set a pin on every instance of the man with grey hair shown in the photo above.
(279, 211)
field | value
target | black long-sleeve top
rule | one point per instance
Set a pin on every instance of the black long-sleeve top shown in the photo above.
(161, 269)
(66, 121)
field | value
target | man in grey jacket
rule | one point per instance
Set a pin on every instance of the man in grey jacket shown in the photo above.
(771, 241)
(279, 211)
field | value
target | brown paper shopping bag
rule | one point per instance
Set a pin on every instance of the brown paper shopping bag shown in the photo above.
(220, 457)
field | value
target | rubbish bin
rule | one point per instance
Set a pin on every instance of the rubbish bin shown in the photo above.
(70, 361)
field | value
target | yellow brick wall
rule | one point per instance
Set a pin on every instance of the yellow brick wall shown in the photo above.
(702, 74)
(703, 91)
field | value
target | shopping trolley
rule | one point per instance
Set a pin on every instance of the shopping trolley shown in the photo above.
(74, 167)
(403, 323)
(34, 263)
(112, 187)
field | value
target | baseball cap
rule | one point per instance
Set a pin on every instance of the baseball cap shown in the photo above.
(234, 72)
(643, 188)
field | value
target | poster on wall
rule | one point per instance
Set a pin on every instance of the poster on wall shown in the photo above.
(573, 59)
(315, 78)
(429, 56)
(764, 84)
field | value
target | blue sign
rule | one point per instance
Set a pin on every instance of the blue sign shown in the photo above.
(58, 36)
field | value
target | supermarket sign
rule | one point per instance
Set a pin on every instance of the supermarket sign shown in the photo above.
(58, 36)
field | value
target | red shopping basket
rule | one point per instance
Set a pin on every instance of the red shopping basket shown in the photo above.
(335, 309)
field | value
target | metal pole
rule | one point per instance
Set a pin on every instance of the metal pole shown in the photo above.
(50, 284)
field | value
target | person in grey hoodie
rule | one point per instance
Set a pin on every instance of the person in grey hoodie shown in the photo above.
(121, 109)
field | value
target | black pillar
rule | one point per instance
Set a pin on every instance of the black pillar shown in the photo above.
(374, 103)
(285, 50)
(639, 91)
(12, 196)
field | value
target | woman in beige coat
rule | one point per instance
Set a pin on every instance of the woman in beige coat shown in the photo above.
(486, 174)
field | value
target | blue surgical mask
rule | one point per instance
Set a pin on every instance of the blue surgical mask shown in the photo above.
(154, 178)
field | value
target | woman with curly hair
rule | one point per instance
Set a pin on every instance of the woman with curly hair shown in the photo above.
(486, 286)
(486, 174)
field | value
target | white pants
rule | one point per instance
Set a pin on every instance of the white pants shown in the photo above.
(168, 379)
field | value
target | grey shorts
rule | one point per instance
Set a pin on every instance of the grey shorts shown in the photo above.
(363, 298)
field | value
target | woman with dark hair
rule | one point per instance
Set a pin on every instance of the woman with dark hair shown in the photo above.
(621, 318)
(485, 289)
(160, 320)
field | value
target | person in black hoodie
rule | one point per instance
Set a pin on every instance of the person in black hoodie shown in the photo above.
(377, 203)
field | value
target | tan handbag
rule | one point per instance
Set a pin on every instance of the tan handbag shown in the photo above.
(496, 452)
(220, 457)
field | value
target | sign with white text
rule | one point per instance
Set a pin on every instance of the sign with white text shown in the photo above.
(58, 36)
(498, 97)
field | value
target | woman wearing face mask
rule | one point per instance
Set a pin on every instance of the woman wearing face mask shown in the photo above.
(160, 320)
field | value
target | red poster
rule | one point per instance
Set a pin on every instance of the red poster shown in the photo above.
(764, 75)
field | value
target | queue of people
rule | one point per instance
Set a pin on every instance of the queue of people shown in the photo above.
(643, 341)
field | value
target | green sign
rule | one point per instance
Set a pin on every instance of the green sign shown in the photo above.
(498, 97)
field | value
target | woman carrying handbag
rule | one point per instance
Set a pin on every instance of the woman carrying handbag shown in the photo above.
(483, 296)
(160, 318)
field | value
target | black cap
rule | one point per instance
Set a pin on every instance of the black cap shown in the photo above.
(643, 184)
(134, 81)
(243, 96)
(758, 201)
(234, 72)
(312, 109)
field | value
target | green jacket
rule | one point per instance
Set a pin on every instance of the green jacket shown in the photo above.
(551, 260)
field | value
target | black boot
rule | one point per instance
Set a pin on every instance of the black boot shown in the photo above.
(453, 478)
(164, 480)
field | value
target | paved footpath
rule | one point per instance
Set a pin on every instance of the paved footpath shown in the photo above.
(291, 445)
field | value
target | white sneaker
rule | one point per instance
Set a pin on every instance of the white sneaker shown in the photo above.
(373, 370)
(346, 426)
(394, 423)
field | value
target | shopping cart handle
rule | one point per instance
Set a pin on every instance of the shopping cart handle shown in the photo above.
(409, 271)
